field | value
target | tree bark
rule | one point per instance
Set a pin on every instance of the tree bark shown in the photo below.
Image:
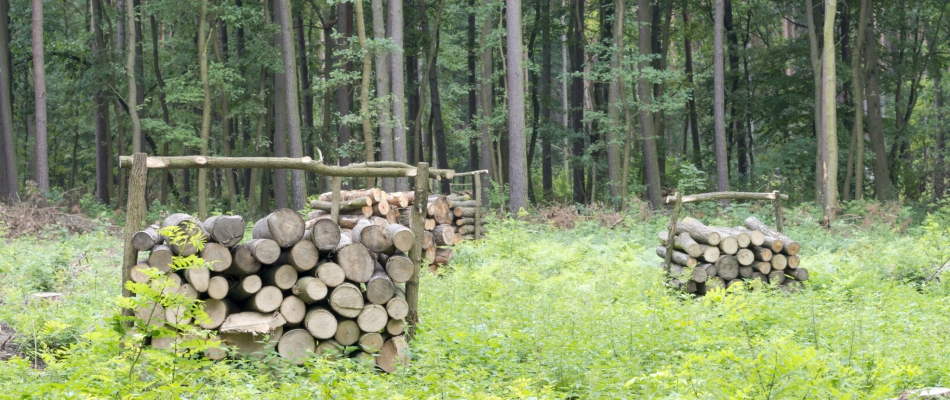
(882, 181)
(814, 53)
(939, 174)
(432, 78)
(368, 141)
(691, 103)
(487, 105)
(395, 23)
(576, 32)
(719, 102)
(344, 13)
(206, 110)
(9, 190)
(39, 98)
(292, 110)
(613, 107)
(830, 135)
(101, 110)
(382, 92)
(645, 91)
(517, 172)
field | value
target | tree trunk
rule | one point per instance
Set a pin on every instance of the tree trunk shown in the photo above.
(882, 180)
(206, 110)
(292, 107)
(39, 98)
(719, 102)
(613, 108)
(644, 90)
(576, 32)
(9, 190)
(395, 23)
(368, 142)
(547, 96)
(691, 103)
(432, 80)
(939, 174)
(518, 174)
(100, 112)
(472, 101)
(830, 134)
(304, 74)
(815, 57)
(487, 105)
(382, 92)
(344, 14)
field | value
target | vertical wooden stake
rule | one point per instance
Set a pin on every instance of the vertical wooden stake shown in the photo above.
(415, 254)
(477, 184)
(335, 199)
(134, 218)
(777, 202)
(671, 237)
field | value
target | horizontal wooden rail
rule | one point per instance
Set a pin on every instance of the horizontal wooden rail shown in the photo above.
(470, 173)
(694, 198)
(384, 169)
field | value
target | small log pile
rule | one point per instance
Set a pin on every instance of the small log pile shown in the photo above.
(304, 286)
(709, 257)
(449, 219)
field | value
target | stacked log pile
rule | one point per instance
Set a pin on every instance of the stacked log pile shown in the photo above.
(304, 286)
(709, 257)
(449, 219)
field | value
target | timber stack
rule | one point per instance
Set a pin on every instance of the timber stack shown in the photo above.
(449, 219)
(708, 257)
(298, 287)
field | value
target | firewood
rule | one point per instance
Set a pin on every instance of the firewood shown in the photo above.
(458, 239)
(345, 205)
(710, 253)
(218, 287)
(699, 232)
(464, 212)
(762, 266)
(427, 239)
(281, 276)
(188, 226)
(727, 267)
(793, 261)
(375, 238)
(265, 251)
(376, 194)
(464, 203)
(393, 215)
(266, 300)
(161, 258)
(347, 332)
(466, 230)
(430, 224)
(218, 256)
(800, 274)
(218, 311)
(756, 237)
(791, 246)
(330, 273)
(320, 322)
(198, 278)
(728, 245)
(682, 242)
(136, 275)
(325, 234)
(397, 307)
(779, 262)
(395, 327)
(399, 268)
(316, 215)
(349, 221)
(678, 257)
(464, 221)
(227, 230)
(296, 345)
(371, 342)
(243, 261)
(443, 235)
(443, 255)
(458, 197)
(401, 237)
(405, 217)
(774, 244)
(310, 289)
(710, 269)
(381, 209)
(777, 277)
(284, 226)
(397, 199)
(355, 260)
(372, 318)
(347, 300)
(379, 288)
(293, 309)
(253, 322)
(439, 208)
(147, 239)
(761, 253)
(302, 256)
(330, 349)
(255, 345)
(696, 274)
(745, 257)
(242, 288)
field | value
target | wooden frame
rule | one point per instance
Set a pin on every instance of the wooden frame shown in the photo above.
(678, 200)
(140, 163)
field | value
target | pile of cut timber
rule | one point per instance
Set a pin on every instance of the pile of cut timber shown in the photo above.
(709, 257)
(449, 219)
(306, 286)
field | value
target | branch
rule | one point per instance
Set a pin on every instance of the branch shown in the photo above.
(304, 163)
(726, 195)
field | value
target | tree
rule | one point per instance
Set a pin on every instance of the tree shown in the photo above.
(691, 103)
(292, 109)
(517, 170)
(576, 33)
(382, 91)
(882, 180)
(719, 102)
(39, 98)
(205, 86)
(857, 132)
(364, 87)
(103, 172)
(431, 76)
(830, 139)
(8, 182)
(814, 53)
(644, 90)
(486, 107)
(396, 60)
(613, 107)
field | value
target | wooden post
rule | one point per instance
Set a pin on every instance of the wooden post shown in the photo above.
(477, 185)
(671, 234)
(415, 254)
(777, 202)
(134, 218)
(335, 199)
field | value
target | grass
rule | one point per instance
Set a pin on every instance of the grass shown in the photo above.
(536, 312)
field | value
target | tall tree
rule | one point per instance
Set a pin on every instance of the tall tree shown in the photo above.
(576, 33)
(101, 110)
(815, 56)
(435, 99)
(613, 107)
(8, 190)
(857, 84)
(130, 59)
(719, 101)
(882, 180)
(205, 85)
(344, 15)
(292, 109)
(691, 103)
(472, 89)
(396, 60)
(830, 140)
(645, 91)
(517, 170)
(486, 107)
(547, 90)
(940, 169)
(382, 91)
(39, 98)
(219, 53)
(368, 141)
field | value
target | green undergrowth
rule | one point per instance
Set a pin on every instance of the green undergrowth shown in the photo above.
(536, 312)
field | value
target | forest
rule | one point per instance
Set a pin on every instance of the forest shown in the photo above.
(586, 102)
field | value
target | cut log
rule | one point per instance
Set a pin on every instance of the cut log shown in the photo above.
(218, 311)
(325, 234)
(761, 253)
(439, 208)
(218, 256)
(347, 300)
(198, 278)
(243, 261)
(699, 232)
(265, 251)
(255, 345)
(762, 266)
(464, 221)
(284, 226)
(188, 226)
(266, 300)
(429, 253)
(710, 269)
(758, 276)
(218, 287)
(371, 342)
(681, 242)
(136, 274)
(242, 288)
(777, 277)
(349, 221)
(463, 204)
(283, 277)
(678, 257)
(379, 288)
(147, 239)
(347, 332)
(310, 289)
(392, 216)
(710, 253)
(320, 322)
(397, 307)
(742, 238)
(219, 352)
(734, 282)
(715, 282)
(227, 230)
(458, 239)
(399, 268)
(466, 230)
(395, 327)
(330, 273)
(172, 281)
(161, 258)
(375, 238)
(317, 214)
(729, 245)
(430, 224)
(443, 235)
(372, 318)
(684, 286)
(405, 216)
(252, 322)
(152, 314)
(376, 194)
(727, 267)
(791, 247)
(330, 349)
(779, 262)
(774, 244)
(745, 271)
(427, 239)
(293, 309)
(793, 261)
(381, 209)
(364, 212)
(176, 315)
(296, 346)
(355, 260)
(443, 255)
(397, 199)
(401, 237)
(756, 237)
(745, 257)
(680, 272)
(464, 212)
(302, 256)
(800, 274)
(345, 205)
